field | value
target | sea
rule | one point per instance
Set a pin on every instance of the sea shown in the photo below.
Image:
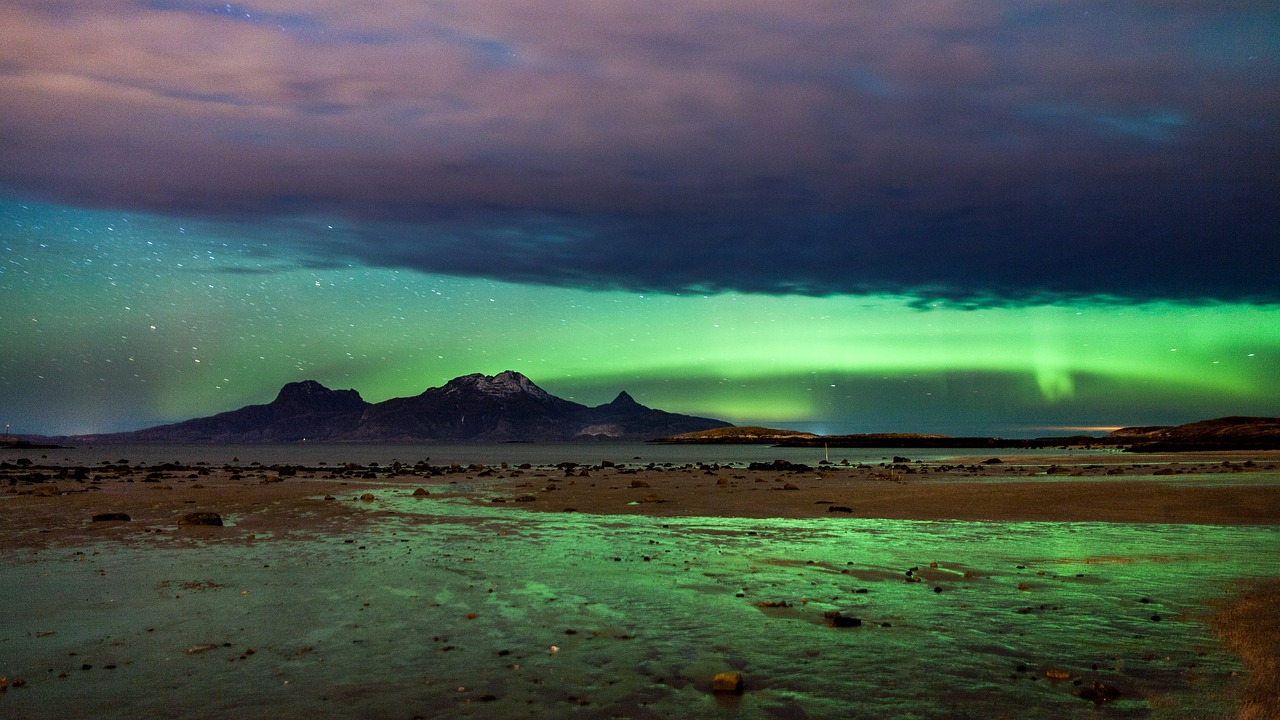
(588, 453)
(441, 608)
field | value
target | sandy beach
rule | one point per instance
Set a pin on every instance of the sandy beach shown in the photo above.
(1202, 488)
(49, 510)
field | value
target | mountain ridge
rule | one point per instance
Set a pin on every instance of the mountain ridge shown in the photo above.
(503, 407)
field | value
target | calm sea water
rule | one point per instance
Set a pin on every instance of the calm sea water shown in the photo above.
(311, 454)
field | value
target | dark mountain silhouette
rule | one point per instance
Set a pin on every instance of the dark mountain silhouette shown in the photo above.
(302, 411)
(1227, 433)
(504, 407)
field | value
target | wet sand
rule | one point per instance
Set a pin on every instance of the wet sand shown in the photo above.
(49, 506)
(1220, 489)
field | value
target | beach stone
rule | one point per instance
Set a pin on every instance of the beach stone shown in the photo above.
(639, 484)
(1098, 693)
(367, 497)
(46, 491)
(201, 518)
(840, 508)
(420, 492)
(729, 682)
(112, 516)
(835, 618)
(652, 498)
(780, 466)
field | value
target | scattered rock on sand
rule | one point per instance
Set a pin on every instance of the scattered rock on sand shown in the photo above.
(835, 618)
(1098, 693)
(729, 682)
(201, 518)
(112, 516)
(779, 466)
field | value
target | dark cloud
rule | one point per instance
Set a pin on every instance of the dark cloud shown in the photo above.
(972, 151)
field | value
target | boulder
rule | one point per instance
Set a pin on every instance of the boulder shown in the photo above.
(201, 518)
(727, 682)
(111, 517)
(1098, 693)
(835, 618)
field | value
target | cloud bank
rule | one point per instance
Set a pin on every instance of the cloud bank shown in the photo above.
(981, 152)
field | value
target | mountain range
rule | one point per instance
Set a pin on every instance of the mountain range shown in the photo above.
(499, 408)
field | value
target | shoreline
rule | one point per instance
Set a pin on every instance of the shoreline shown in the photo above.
(51, 502)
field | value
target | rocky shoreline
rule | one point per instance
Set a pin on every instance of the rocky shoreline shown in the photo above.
(57, 507)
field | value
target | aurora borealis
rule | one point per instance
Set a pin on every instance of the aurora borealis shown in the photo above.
(960, 217)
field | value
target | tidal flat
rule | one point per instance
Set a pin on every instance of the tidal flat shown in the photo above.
(1050, 587)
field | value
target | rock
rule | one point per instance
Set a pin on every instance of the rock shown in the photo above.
(992, 461)
(112, 516)
(780, 466)
(201, 518)
(840, 508)
(367, 497)
(421, 492)
(1098, 693)
(729, 682)
(835, 618)
(639, 484)
(652, 498)
(898, 460)
(46, 491)
(790, 486)
(526, 498)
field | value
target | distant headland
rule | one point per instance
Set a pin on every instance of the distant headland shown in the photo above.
(1228, 433)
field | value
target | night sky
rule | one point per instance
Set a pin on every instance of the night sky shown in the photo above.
(957, 216)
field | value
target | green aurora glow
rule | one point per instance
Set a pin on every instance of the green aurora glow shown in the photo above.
(117, 322)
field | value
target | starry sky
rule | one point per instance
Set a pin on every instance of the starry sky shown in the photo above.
(956, 216)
